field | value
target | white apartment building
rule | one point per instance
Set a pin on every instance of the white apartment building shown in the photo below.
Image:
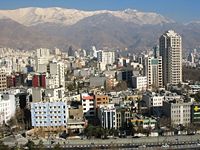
(57, 68)
(153, 99)
(171, 52)
(105, 58)
(42, 59)
(179, 112)
(108, 57)
(154, 72)
(56, 94)
(88, 104)
(107, 116)
(139, 82)
(49, 114)
(7, 107)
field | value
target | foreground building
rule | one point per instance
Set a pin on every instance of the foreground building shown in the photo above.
(49, 115)
(107, 116)
(179, 112)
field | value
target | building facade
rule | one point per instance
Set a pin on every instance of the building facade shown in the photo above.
(107, 57)
(101, 99)
(107, 116)
(179, 112)
(49, 114)
(3, 81)
(139, 82)
(152, 99)
(154, 72)
(88, 105)
(57, 69)
(7, 107)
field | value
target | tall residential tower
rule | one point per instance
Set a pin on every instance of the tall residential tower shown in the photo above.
(171, 52)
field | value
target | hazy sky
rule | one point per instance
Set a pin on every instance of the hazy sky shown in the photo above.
(178, 10)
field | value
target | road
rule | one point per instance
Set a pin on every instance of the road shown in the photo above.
(174, 142)
(142, 140)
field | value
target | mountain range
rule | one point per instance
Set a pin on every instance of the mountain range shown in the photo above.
(30, 28)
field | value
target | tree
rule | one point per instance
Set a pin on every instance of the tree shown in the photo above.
(89, 131)
(122, 85)
(31, 145)
(40, 145)
(12, 121)
(57, 147)
(3, 146)
(105, 133)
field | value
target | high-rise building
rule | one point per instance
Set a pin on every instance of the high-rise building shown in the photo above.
(171, 52)
(42, 59)
(154, 72)
(105, 58)
(56, 69)
(3, 80)
(191, 57)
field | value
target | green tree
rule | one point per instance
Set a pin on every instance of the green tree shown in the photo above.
(3, 146)
(89, 131)
(31, 145)
(57, 147)
(40, 145)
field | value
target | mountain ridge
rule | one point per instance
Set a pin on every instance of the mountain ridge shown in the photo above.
(34, 15)
(101, 29)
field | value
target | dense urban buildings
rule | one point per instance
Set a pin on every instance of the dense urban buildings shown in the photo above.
(93, 93)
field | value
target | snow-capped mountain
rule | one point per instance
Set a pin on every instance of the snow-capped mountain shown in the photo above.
(34, 16)
(30, 28)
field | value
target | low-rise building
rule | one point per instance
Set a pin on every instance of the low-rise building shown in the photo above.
(195, 113)
(101, 99)
(107, 116)
(153, 99)
(56, 93)
(178, 111)
(123, 116)
(49, 115)
(88, 105)
(139, 82)
(7, 107)
(144, 122)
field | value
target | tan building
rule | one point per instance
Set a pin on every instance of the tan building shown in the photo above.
(3, 84)
(101, 99)
(76, 113)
